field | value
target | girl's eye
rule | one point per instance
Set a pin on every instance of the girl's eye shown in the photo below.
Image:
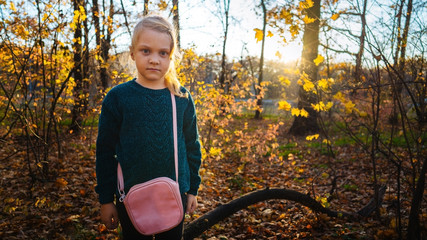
(164, 53)
(145, 51)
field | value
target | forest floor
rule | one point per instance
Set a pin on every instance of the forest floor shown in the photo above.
(66, 206)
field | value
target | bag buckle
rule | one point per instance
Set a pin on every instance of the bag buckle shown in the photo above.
(122, 196)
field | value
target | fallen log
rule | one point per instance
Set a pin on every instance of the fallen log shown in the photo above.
(221, 212)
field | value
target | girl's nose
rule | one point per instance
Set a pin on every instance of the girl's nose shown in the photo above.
(154, 60)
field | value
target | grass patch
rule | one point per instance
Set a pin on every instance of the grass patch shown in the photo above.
(322, 147)
(322, 165)
(351, 187)
(345, 141)
(88, 122)
(290, 148)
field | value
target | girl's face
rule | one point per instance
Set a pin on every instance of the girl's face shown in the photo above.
(152, 56)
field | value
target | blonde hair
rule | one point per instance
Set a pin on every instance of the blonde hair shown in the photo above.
(160, 24)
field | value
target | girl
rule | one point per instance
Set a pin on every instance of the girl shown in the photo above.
(135, 128)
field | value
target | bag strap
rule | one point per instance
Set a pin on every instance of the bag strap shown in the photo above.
(120, 181)
(175, 136)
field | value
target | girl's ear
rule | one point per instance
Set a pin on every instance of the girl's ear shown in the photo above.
(131, 53)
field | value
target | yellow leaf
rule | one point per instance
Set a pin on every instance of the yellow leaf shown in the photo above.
(259, 34)
(40, 202)
(162, 5)
(241, 167)
(308, 20)
(282, 216)
(316, 107)
(306, 4)
(284, 105)
(349, 106)
(284, 80)
(311, 137)
(321, 106)
(45, 16)
(339, 96)
(335, 16)
(326, 141)
(318, 60)
(295, 112)
(329, 106)
(82, 13)
(294, 30)
(303, 113)
(324, 84)
(76, 15)
(308, 86)
(61, 182)
(363, 114)
(286, 15)
(73, 26)
(270, 34)
(214, 151)
(12, 6)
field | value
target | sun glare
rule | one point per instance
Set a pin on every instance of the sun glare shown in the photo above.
(286, 54)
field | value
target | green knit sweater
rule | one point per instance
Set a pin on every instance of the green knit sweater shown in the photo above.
(135, 129)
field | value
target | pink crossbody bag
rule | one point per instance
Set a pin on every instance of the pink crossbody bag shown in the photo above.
(154, 206)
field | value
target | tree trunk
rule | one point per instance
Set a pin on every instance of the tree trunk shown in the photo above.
(175, 11)
(398, 33)
(399, 59)
(222, 82)
(405, 39)
(86, 66)
(306, 125)
(393, 118)
(95, 16)
(261, 64)
(77, 118)
(414, 230)
(45, 129)
(103, 42)
(145, 12)
(359, 55)
(126, 18)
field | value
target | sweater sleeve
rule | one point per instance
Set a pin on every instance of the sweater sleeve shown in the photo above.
(108, 137)
(192, 143)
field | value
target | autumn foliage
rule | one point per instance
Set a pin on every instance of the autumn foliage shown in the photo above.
(57, 63)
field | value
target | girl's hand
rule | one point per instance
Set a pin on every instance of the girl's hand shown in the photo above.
(109, 215)
(191, 203)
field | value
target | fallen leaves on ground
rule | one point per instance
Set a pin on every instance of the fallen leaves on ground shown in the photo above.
(66, 206)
